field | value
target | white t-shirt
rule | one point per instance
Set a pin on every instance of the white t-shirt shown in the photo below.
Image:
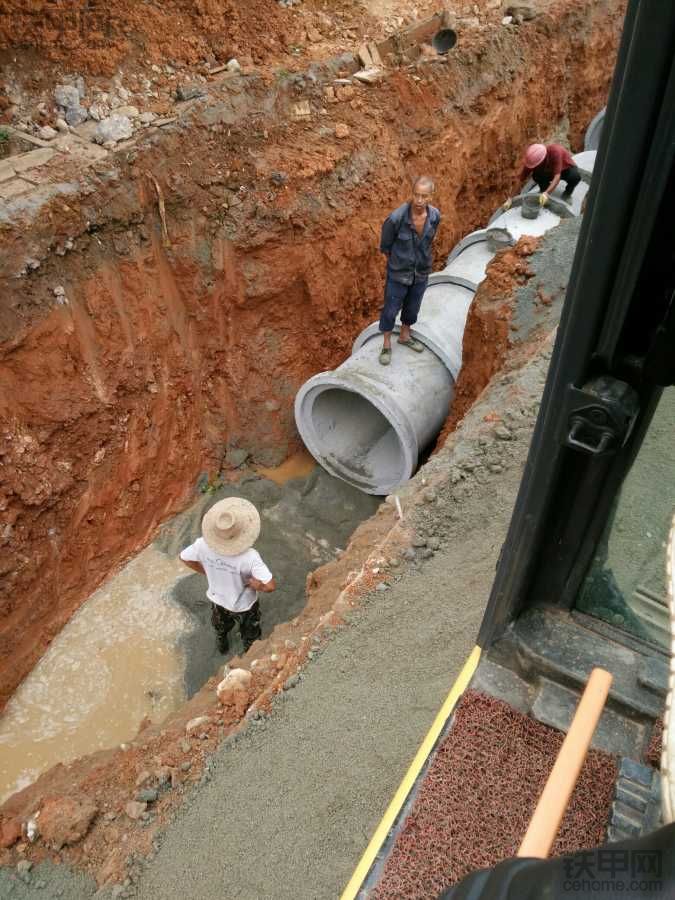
(227, 575)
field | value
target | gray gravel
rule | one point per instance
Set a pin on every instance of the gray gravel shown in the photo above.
(291, 805)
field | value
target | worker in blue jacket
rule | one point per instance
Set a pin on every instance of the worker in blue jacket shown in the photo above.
(407, 235)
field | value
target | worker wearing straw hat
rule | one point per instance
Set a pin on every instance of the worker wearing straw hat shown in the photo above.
(235, 571)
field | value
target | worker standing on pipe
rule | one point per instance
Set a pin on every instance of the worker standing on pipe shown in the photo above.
(407, 235)
(235, 571)
(548, 165)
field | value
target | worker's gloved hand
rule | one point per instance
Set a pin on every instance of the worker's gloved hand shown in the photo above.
(543, 199)
(507, 206)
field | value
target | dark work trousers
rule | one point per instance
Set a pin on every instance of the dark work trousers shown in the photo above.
(224, 621)
(570, 176)
(403, 298)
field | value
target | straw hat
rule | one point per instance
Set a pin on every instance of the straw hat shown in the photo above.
(231, 526)
(534, 155)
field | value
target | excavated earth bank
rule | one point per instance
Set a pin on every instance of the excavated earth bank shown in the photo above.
(176, 344)
(190, 323)
(456, 511)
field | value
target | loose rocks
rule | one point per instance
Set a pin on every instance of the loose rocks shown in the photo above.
(114, 128)
(195, 723)
(76, 115)
(66, 96)
(503, 433)
(135, 809)
(47, 133)
(190, 91)
(66, 820)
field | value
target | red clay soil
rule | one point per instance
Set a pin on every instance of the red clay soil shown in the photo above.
(98, 37)
(493, 760)
(170, 351)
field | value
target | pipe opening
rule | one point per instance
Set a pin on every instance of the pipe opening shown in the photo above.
(357, 440)
(444, 40)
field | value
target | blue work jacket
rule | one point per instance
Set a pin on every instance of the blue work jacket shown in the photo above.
(409, 254)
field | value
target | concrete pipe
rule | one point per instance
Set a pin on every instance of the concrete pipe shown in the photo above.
(594, 131)
(367, 423)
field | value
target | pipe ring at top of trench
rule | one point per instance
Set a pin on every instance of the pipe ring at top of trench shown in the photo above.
(368, 424)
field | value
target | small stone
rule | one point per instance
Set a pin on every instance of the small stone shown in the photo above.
(76, 115)
(409, 553)
(233, 66)
(66, 96)
(496, 468)
(66, 820)
(341, 130)
(61, 125)
(135, 809)
(99, 111)
(507, 20)
(427, 554)
(429, 495)
(47, 133)
(236, 457)
(190, 91)
(146, 118)
(503, 433)
(434, 543)
(114, 128)
(369, 76)
(419, 542)
(301, 110)
(131, 112)
(185, 746)
(382, 587)
(109, 817)
(185, 767)
(197, 722)
(291, 682)
(147, 795)
(345, 92)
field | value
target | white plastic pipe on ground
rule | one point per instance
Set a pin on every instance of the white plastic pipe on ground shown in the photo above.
(367, 423)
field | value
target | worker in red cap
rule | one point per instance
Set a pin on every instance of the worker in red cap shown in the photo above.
(547, 165)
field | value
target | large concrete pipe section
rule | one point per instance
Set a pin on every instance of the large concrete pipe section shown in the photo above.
(594, 131)
(367, 423)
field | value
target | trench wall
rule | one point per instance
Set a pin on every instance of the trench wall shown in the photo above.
(176, 345)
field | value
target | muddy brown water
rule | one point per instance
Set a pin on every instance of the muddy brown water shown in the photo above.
(143, 643)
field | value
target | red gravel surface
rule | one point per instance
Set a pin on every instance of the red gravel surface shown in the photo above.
(478, 796)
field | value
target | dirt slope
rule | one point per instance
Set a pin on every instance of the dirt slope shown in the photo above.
(173, 347)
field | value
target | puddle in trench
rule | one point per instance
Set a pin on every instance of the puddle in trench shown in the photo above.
(143, 642)
(300, 465)
(116, 661)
